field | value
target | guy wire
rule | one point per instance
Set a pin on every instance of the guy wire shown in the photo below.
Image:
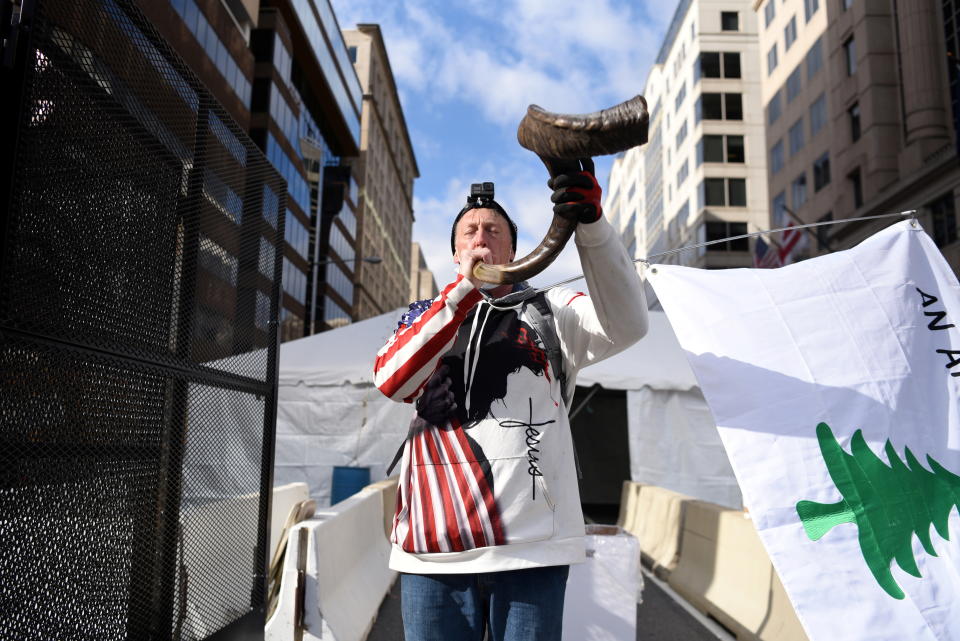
(909, 212)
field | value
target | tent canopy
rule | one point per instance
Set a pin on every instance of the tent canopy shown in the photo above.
(329, 414)
(344, 356)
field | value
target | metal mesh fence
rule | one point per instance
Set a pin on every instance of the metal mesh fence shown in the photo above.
(139, 280)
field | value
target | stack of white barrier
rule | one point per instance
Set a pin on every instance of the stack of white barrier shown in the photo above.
(335, 572)
(602, 593)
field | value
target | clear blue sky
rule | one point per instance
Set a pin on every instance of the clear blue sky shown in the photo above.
(466, 71)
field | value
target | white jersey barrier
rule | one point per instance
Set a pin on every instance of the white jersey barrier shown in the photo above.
(335, 572)
(712, 557)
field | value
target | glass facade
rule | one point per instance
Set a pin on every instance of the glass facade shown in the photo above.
(216, 260)
(320, 25)
(283, 115)
(294, 281)
(340, 282)
(296, 184)
(200, 27)
(340, 245)
(333, 314)
(296, 235)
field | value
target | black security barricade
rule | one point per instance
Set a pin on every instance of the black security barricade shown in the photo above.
(140, 255)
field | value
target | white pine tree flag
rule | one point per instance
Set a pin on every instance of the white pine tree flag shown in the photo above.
(834, 383)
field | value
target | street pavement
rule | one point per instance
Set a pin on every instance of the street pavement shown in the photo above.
(659, 618)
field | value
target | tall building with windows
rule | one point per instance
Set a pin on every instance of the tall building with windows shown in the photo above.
(387, 168)
(281, 69)
(702, 174)
(861, 106)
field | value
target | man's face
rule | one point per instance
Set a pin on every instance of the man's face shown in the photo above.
(487, 230)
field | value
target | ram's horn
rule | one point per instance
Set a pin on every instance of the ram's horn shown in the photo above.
(557, 138)
(609, 131)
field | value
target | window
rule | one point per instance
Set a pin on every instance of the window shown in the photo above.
(333, 314)
(682, 174)
(796, 137)
(776, 158)
(798, 191)
(712, 192)
(769, 12)
(735, 151)
(821, 171)
(294, 281)
(774, 109)
(790, 33)
(944, 219)
(713, 64)
(718, 230)
(710, 64)
(723, 192)
(850, 55)
(818, 115)
(815, 58)
(823, 233)
(734, 106)
(681, 95)
(853, 113)
(710, 149)
(296, 235)
(772, 57)
(793, 85)
(779, 210)
(856, 185)
(737, 188)
(810, 7)
(352, 54)
(715, 148)
(729, 21)
(710, 107)
(731, 64)
(681, 134)
(846, 4)
(716, 106)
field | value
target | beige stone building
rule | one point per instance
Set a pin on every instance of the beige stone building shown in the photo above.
(422, 283)
(702, 175)
(859, 116)
(386, 170)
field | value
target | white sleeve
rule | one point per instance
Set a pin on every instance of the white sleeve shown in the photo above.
(614, 315)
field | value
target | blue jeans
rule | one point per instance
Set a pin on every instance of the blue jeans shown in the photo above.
(517, 605)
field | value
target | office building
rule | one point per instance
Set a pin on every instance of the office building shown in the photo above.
(386, 170)
(861, 110)
(702, 174)
(281, 69)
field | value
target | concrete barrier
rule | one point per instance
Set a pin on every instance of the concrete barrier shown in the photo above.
(724, 571)
(284, 498)
(335, 574)
(653, 515)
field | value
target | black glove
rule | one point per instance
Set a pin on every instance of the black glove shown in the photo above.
(576, 194)
(436, 404)
(434, 407)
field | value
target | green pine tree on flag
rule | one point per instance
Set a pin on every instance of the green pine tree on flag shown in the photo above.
(888, 504)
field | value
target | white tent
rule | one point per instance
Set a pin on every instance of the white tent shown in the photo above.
(330, 414)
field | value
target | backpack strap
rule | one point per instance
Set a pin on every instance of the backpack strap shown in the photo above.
(540, 317)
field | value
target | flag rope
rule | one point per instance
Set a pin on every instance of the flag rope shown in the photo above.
(909, 212)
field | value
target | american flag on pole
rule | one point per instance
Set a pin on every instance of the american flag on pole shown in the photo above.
(793, 240)
(766, 256)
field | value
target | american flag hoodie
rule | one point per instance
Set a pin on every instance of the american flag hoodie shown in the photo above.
(495, 487)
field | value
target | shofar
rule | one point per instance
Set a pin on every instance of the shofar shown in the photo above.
(559, 137)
